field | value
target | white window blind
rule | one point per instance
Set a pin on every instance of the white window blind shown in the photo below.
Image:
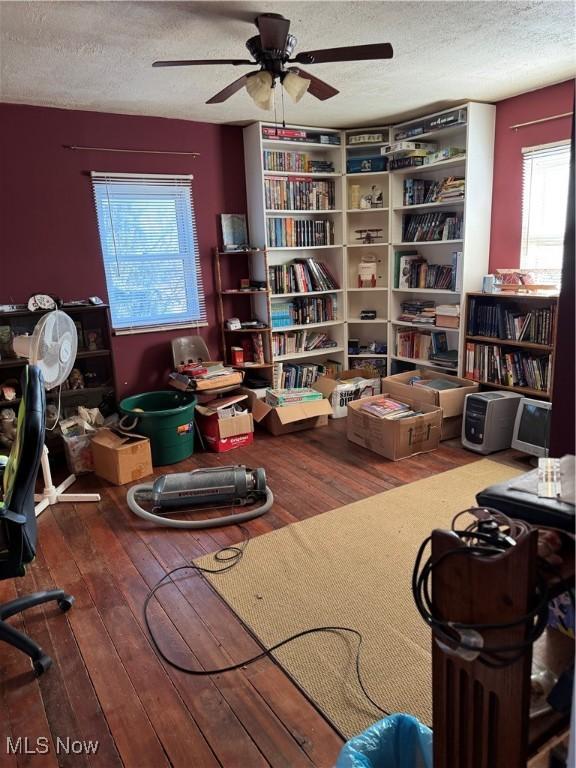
(150, 252)
(544, 209)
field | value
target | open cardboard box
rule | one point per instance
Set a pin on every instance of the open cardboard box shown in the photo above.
(222, 433)
(289, 418)
(450, 400)
(340, 395)
(121, 458)
(395, 438)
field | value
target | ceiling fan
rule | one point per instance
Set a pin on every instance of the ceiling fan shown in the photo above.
(271, 50)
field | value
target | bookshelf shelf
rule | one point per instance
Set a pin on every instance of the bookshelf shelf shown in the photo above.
(247, 330)
(360, 174)
(304, 247)
(304, 293)
(521, 390)
(291, 212)
(423, 363)
(425, 206)
(296, 145)
(450, 163)
(311, 353)
(376, 356)
(365, 145)
(359, 321)
(367, 210)
(368, 290)
(424, 326)
(303, 175)
(510, 343)
(368, 245)
(413, 243)
(305, 326)
(426, 290)
(242, 293)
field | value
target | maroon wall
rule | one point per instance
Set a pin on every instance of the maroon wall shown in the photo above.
(507, 190)
(49, 237)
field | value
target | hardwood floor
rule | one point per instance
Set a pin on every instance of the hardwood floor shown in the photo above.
(107, 683)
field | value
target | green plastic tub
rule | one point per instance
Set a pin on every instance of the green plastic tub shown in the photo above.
(167, 418)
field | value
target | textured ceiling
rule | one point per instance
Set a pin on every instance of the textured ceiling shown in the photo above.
(97, 55)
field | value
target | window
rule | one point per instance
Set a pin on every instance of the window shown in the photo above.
(544, 209)
(150, 252)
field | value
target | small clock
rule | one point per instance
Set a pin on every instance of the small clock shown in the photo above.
(41, 301)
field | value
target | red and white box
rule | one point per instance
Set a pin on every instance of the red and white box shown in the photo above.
(222, 428)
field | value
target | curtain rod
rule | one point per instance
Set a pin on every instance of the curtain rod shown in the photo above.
(133, 151)
(542, 120)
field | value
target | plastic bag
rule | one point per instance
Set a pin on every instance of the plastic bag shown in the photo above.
(77, 436)
(398, 741)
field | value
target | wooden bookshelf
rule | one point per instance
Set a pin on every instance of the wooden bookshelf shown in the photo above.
(493, 314)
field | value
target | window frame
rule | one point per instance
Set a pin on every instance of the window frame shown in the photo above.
(113, 181)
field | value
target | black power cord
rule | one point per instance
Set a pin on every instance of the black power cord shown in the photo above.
(231, 556)
(484, 538)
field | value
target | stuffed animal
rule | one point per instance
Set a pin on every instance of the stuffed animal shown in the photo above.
(7, 427)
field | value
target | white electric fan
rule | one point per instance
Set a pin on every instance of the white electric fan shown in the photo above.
(52, 348)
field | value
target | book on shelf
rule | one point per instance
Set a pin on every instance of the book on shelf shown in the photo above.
(287, 232)
(510, 322)
(290, 375)
(299, 135)
(422, 191)
(377, 366)
(300, 341)
(493, 364)
(414, 271)
(300, 276)
(435, 226)
(295, 161)
(298, 194)
(425, 125)
(419, 312)
(303, 310)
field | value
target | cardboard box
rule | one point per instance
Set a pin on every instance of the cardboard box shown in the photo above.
(289, 418)
(121, 458)
(340, 394)
(450, 400)
(222, 434)
(395, 439)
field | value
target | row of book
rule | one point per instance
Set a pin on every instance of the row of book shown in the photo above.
(490, 363)
(299, 233)
(422, 191)
(300, 311)
(438, 225)
(301, 276)
(295, 161)
(299, 134)
(292, 375)
(418, 345)
(507, 321)
(412, 270)
(445, 120)
(300, 341)
(292, 194)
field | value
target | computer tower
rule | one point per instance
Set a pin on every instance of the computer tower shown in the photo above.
(488, 422)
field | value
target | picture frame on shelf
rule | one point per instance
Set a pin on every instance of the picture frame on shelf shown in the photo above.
(93, 340)
(234, 232)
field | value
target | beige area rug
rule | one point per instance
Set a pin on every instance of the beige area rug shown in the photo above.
(352, 567)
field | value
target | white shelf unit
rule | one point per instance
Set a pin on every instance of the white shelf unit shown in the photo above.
(255, 145)
(360, 186)
(476, 137)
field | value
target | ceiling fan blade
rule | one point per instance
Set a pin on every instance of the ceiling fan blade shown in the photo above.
(317, 87)
(273, 30)
(349, 53)
(194, 62)
(230, 90)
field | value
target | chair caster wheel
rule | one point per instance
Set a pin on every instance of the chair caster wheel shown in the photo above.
(65, 603)
(42, 664)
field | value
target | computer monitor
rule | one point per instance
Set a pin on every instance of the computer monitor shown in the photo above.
(532, 427)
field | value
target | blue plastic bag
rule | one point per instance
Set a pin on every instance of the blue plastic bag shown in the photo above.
(398, 741)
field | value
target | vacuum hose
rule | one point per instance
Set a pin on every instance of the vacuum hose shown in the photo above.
(221, 486)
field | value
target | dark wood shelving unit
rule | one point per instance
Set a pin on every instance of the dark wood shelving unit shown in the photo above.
(96, 364)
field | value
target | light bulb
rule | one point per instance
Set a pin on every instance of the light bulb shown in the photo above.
(259, 87)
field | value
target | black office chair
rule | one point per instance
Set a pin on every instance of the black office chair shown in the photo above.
(18, 515)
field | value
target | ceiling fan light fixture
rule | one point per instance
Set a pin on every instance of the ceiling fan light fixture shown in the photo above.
(259, 87)
(295, 85)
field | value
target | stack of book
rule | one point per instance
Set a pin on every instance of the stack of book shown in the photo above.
(452, 188)
(302, 276)
(439, 225)
(490, 363)
(279, 397)
(299, 233)
(375, 365)
(507, 321)
(295, 161)
(420, 312)
(300, 341)
(448, 315)
(298, 194)
(386, 408)
(300, 311)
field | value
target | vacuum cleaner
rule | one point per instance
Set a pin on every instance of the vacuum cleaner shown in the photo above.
(206, 489)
